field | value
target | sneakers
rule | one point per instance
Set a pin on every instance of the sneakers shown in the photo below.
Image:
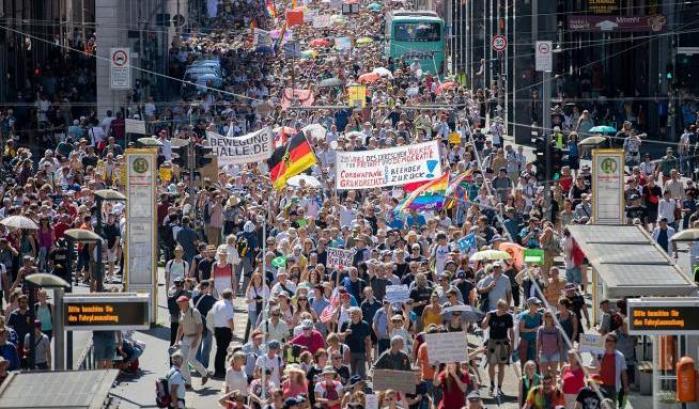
(500, 392)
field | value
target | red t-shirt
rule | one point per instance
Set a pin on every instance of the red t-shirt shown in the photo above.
(573, 380)
(312, 343)
(452, 397)
(608, 370)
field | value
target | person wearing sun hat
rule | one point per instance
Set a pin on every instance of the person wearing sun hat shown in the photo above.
(328, 391)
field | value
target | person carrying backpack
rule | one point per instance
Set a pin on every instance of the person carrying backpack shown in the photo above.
(170, 390)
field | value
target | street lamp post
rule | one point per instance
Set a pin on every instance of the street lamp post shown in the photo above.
(43, 280)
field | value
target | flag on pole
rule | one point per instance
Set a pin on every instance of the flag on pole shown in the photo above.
(290, 160)
(428, 196)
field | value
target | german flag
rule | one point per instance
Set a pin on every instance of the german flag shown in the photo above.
(290, 160)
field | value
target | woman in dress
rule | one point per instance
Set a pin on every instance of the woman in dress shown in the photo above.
(222, 273)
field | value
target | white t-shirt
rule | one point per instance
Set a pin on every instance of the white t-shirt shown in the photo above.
(440, 254)
(273, 364)
(237, 381)
(222, 311)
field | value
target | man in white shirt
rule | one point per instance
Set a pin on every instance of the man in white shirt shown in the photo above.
(223, 330)
(106, 122)
(272, 361)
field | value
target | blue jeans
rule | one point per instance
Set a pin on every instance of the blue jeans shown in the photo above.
(204, 351)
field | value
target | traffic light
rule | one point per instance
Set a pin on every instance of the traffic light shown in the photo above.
(203, 155)
(540, 161)
(556, 162)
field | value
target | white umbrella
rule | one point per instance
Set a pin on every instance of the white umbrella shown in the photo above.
(19, 222)
(384, 72)
(315, 131)
(303, 181)
(490, 255)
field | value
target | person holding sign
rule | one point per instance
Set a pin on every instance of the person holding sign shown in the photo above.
(454, 383)
(500, 323)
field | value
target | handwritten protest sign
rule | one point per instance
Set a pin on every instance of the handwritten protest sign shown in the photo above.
(388, 167)
(339, 258)
(447, 347)
(321, 21)
(402, 381)
(371, 401)
(253, 147)
(397, 293)
(592, 343)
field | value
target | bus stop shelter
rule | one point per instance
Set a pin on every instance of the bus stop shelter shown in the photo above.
(58, 390)
(627, 263)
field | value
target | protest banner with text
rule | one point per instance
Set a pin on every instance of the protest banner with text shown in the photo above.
(402, 381)
(388, 167)
(253, 147)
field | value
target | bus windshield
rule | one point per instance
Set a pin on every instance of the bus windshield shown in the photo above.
(416, 32)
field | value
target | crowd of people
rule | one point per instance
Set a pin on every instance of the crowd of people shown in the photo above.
(317, 332)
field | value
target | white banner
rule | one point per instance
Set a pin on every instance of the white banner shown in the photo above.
(388, 167)
(339, 258)
(447, 347)
(253, 147)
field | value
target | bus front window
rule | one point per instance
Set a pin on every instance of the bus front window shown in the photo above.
(417, 32)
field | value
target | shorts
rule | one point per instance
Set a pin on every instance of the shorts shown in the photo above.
(111, 255)
(498, 351)
(104, 351)
(574, 275)
(550, 358)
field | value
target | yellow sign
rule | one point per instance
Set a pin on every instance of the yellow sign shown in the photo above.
(165, 174)
(356, 94)
(454, 138)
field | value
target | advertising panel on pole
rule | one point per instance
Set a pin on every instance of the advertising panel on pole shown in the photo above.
(120, 68)
(544, 56)
(106, 311)
(608, 186)
(253, 147)
(141, 230)
(388, 167)
(663, 316)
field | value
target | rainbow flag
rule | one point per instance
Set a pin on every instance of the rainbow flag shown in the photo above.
(271, 8)
(431, 195)
(457, 187)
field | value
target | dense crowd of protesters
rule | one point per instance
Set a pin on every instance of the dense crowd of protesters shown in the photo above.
(316, 330)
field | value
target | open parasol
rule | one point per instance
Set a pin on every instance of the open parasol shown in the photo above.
(485, 255)
(19, 222)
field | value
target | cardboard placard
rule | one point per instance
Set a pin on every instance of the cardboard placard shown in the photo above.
(401, 381)
(447, 347)
(339, 258)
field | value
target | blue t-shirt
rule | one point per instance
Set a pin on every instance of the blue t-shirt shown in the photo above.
(530, 322)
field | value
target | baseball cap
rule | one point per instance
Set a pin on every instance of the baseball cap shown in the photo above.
(182, 298)
(533, 300)
(307, 324)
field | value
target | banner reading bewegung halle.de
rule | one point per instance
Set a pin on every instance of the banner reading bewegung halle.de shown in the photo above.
(388, 167)
(253, 147)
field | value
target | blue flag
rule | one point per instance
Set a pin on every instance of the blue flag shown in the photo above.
(467, 242)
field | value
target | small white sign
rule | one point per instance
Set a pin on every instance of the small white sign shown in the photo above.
(397, 293)
(120, 68)
(592, 343)
(544, 56)
(135, 126)
(447, 347)
(371, 401)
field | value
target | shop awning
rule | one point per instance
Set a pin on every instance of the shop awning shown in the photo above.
(58, 390)
(630, 263)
